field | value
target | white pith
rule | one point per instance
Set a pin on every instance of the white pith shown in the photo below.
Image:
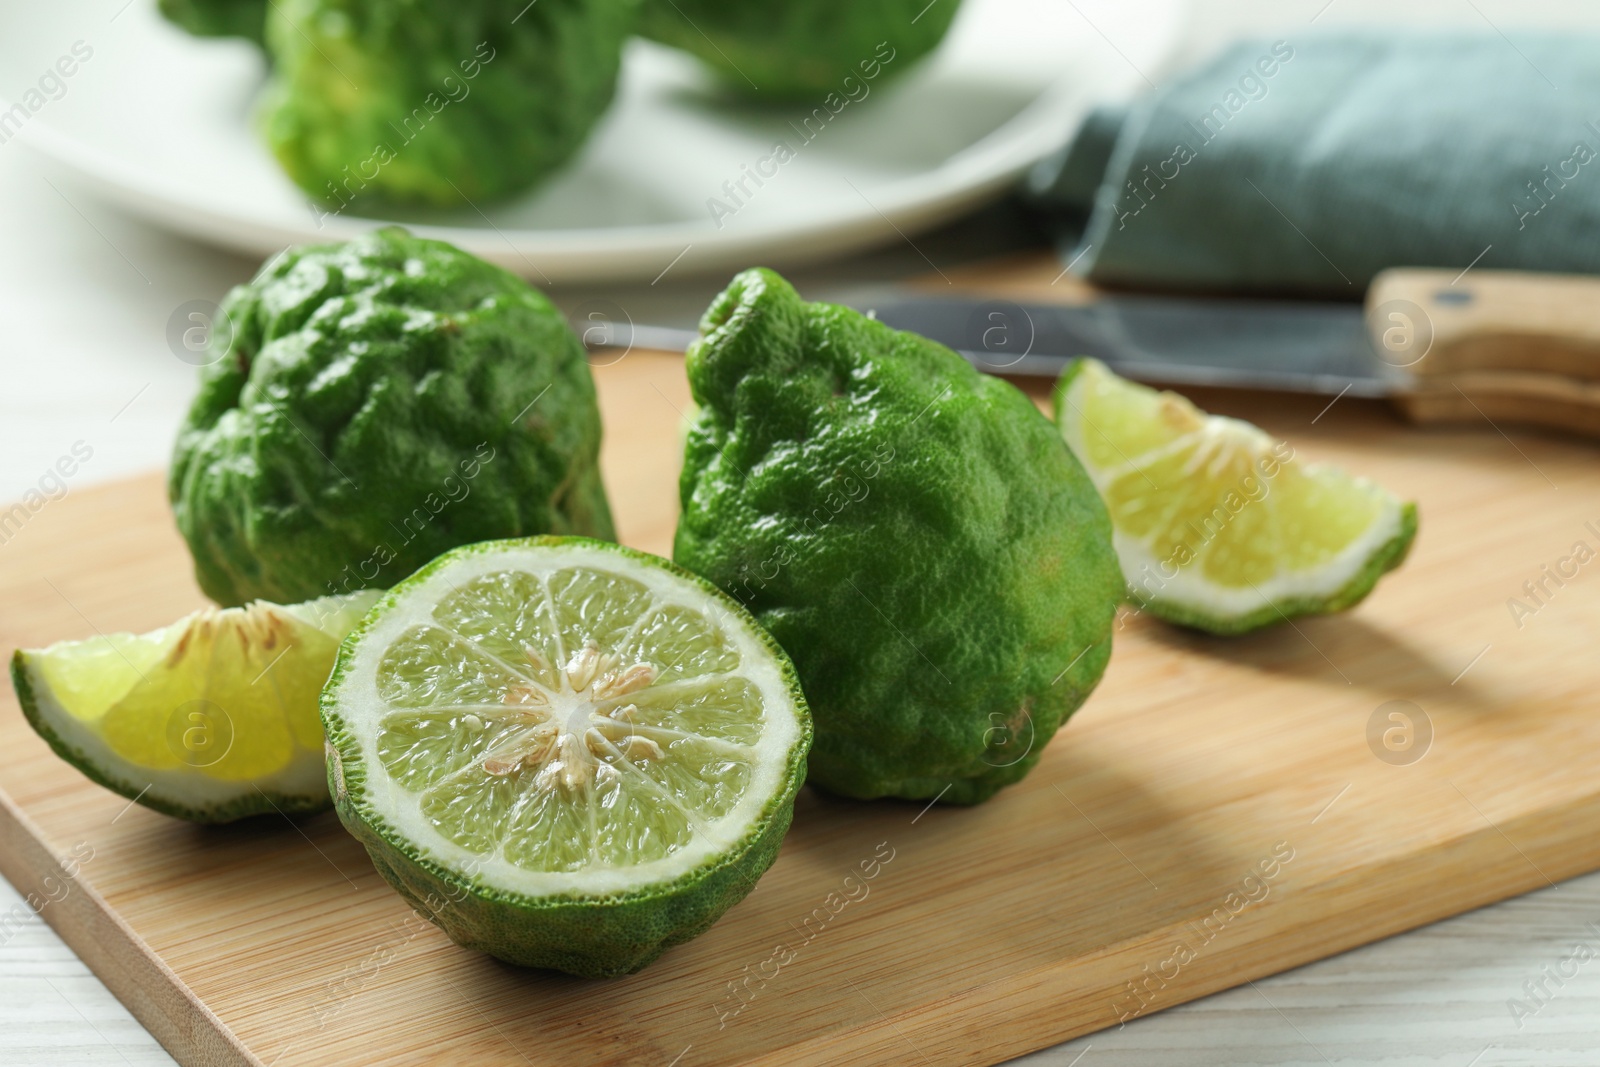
(574, 715)
(1190, 588)
(1214, 443)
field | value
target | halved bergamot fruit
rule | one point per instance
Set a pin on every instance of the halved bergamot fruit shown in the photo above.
(566, 753)
(1218, 526)
(210, 719)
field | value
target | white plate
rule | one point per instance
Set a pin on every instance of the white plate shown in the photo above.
(160, 123)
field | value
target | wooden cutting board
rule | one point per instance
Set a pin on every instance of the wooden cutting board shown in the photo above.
(1215, 813)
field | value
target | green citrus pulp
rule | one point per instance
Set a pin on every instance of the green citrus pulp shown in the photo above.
(565, 753)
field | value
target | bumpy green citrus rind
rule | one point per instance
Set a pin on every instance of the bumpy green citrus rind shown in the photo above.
(591, 937)
(245, 805)
(588, 938)
(916, 535)
(378, 402)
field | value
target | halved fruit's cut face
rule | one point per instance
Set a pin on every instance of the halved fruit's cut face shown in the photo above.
(1210, 512)
(566, 717)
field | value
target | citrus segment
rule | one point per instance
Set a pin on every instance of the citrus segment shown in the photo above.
(1217, 525)
(210, 719)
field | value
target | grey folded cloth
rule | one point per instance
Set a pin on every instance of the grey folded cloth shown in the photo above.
(1310, 165)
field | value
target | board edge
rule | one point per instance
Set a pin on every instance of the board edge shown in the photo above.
(151, 991)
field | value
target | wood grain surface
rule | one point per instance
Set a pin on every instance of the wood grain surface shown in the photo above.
(1219, 795)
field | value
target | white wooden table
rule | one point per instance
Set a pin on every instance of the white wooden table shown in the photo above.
(84, 300)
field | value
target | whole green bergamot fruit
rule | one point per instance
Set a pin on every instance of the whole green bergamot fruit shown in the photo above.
(436, 102)
(218, 18)
(914, 534)
(372, 404)
(802, 49)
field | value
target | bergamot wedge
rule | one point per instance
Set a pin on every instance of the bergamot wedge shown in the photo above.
(566, 753)
(914, 534)
(1218, 526)
(210, 719)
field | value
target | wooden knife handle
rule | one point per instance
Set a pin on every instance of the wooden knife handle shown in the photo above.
(1490, 321)
(1548, 400)
(1505, 346)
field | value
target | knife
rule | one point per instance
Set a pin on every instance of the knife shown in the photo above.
(1495, 346)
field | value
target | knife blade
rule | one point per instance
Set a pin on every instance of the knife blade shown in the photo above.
(1523, 348)
(1299, 346)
